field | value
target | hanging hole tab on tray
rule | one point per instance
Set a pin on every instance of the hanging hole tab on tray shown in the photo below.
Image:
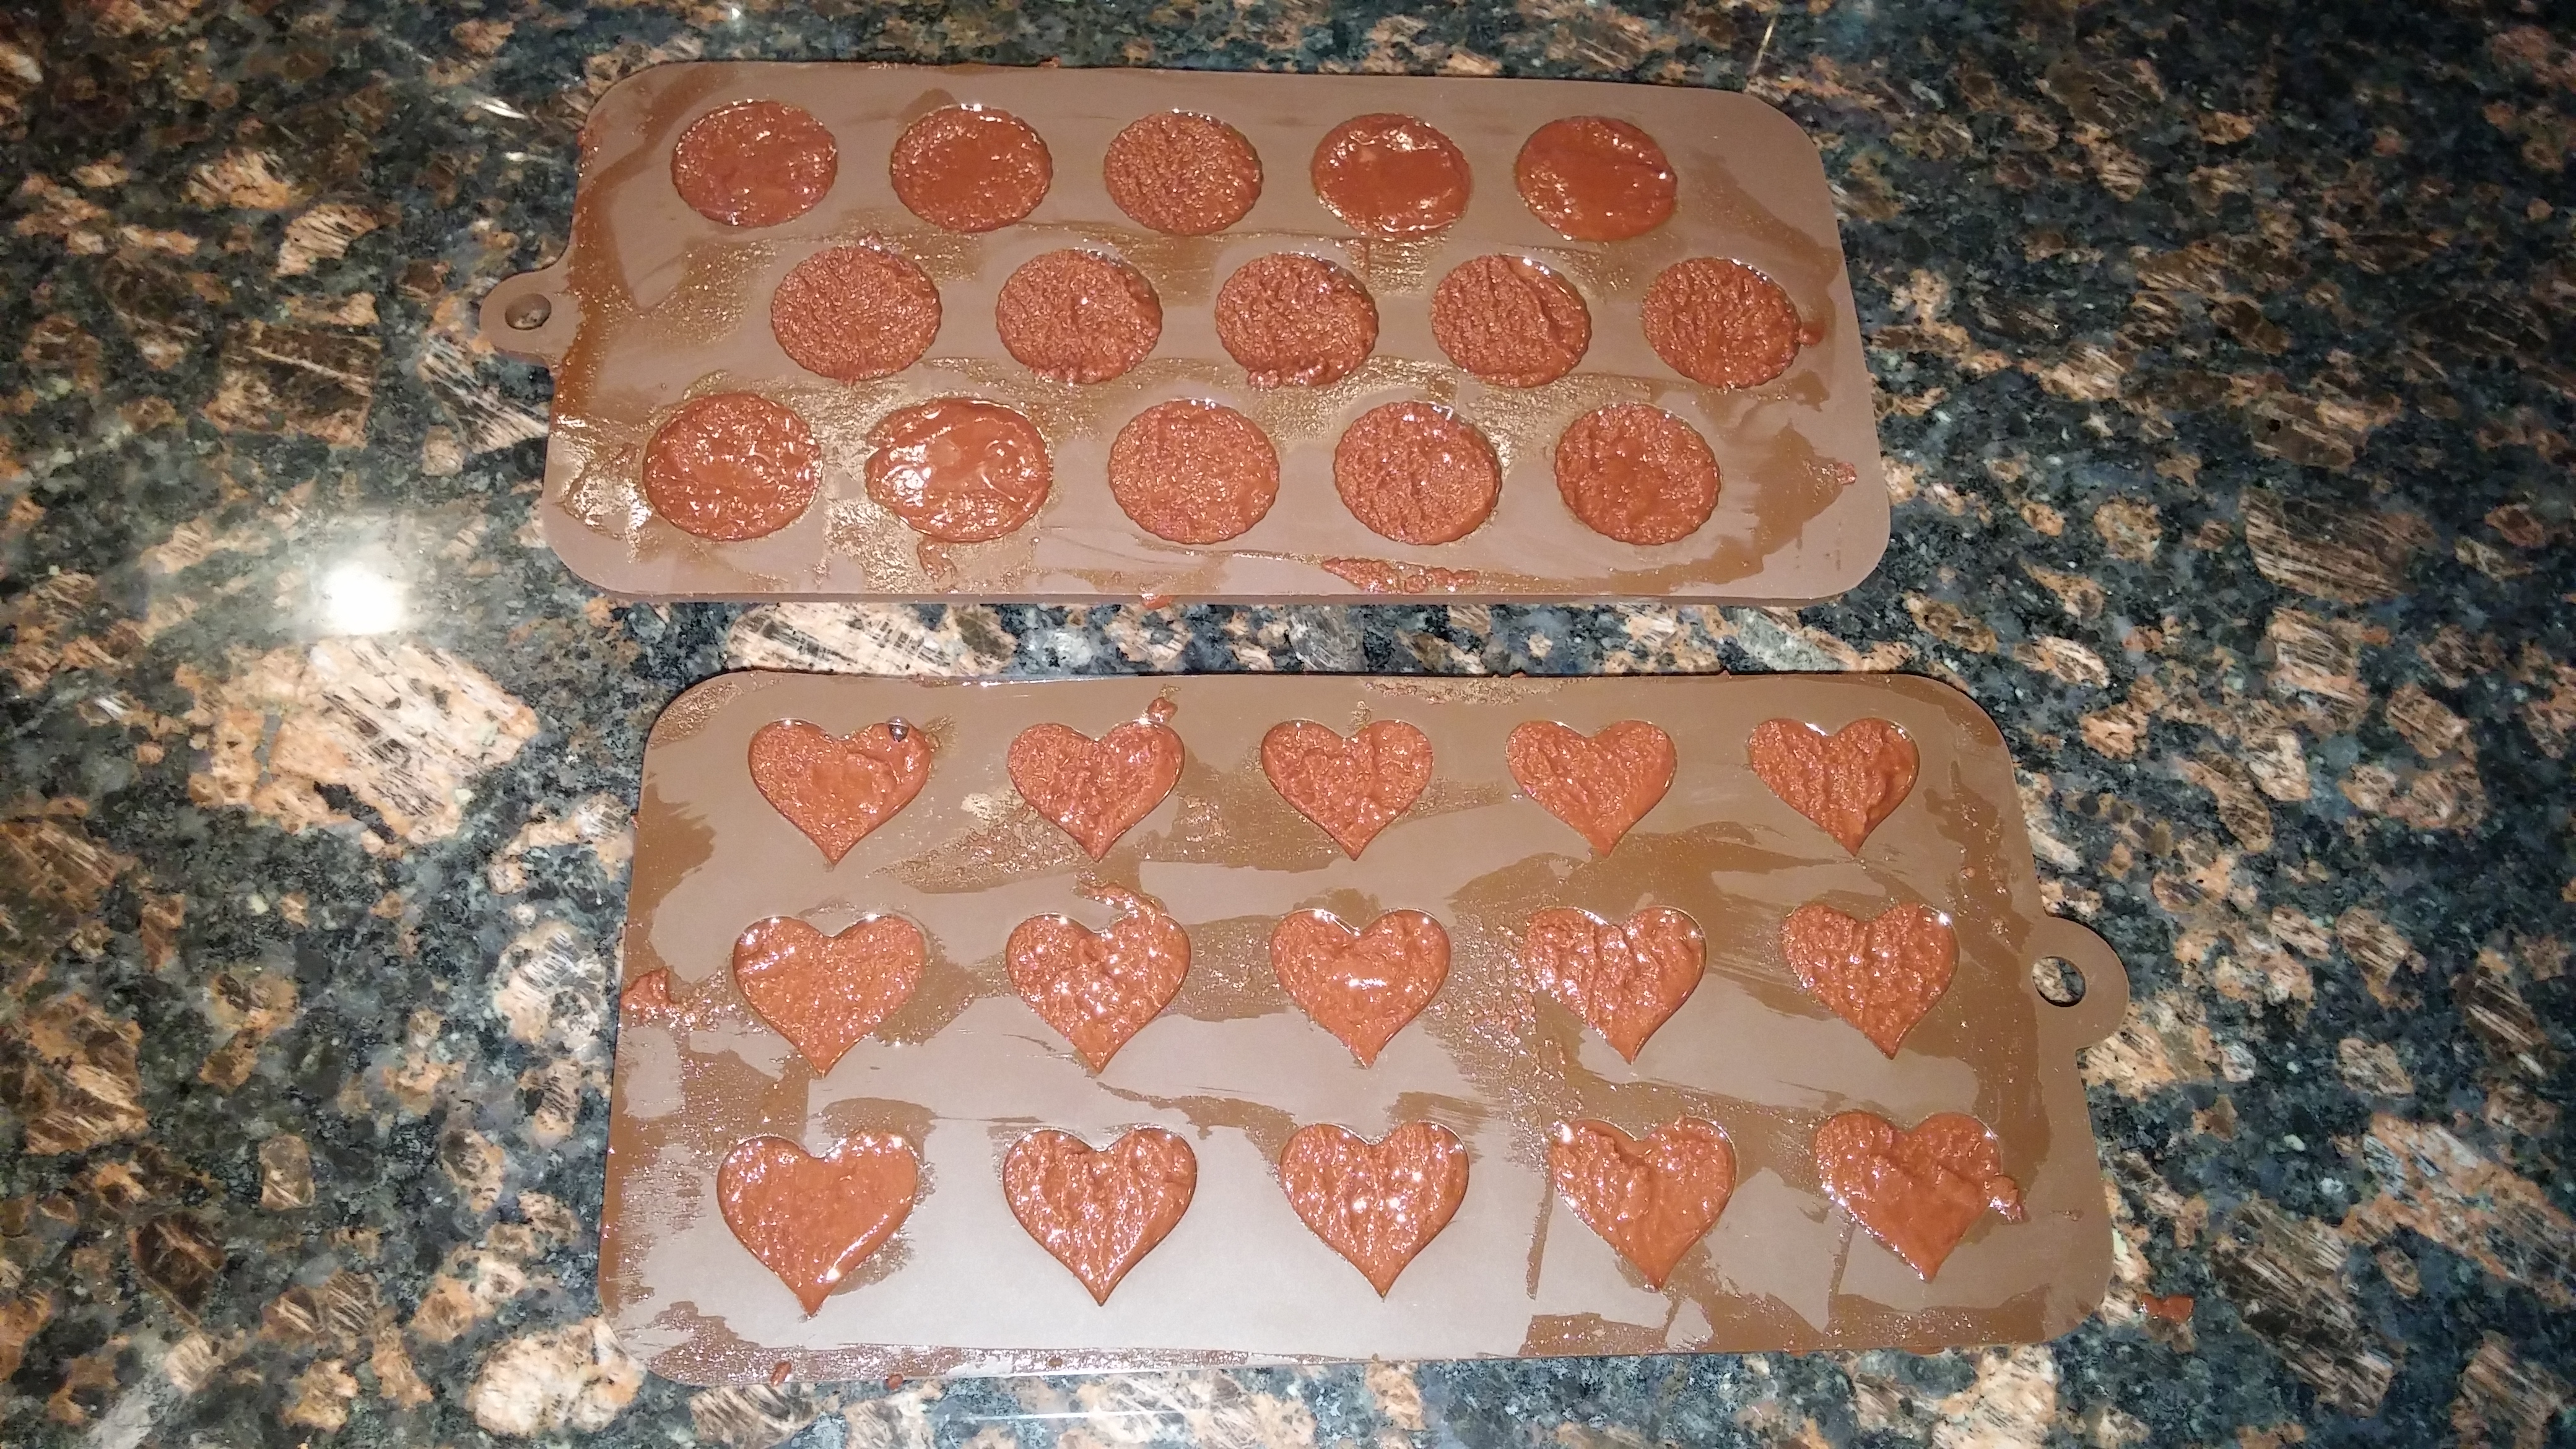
(528, 313)
(2078, 974)
(2059, 981)
(531, 316)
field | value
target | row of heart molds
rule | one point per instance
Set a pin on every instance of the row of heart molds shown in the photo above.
(1097, 989)
(837, 790)
(812, 1220)
(963, 1070)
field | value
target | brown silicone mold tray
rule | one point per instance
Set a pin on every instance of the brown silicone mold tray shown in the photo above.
(658, 307)
(722, 1128)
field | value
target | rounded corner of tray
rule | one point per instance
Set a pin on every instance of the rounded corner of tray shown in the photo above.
(1951, 700)
(653, 77)
(2076, 1310)
(2086, 1284)
(1771, 115)
(688, 709)
(579, 551)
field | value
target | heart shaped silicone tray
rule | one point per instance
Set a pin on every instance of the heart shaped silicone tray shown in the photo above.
(652, 305)
(964, 1068)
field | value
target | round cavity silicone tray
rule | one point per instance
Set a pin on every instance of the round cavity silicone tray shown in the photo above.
(886, 939)
(707, 310)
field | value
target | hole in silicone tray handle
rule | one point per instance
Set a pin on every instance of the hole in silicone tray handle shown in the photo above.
(528, 313)
(2105, 1000)
(2060, 982)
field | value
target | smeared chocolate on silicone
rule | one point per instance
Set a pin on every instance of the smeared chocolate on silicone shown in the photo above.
(754, 163)
(1353, 788)
(650, 997)
(1787, 515)
(1193, 472)
(1478, 1048)
(1295, 321)
(1095, 789)
(732, 466)
(811, 1220)
(837, 790)
(1651, 1197)
(958, 469)
(1099, 988)
(1624, 978)
(1181, 173)
(1390, 175)
(1100, 1212)
(1721, 322)
(1393, 576)
(1601, 784)
(1510, 321)
(826, 993)
(1595, 179)
(1416, 472)
(1881, 975)
(855, 313)
(1360, 985)
(1917, 1192)
(970, 168)
(1637, 474)
(1846, 782)
(1378, 1204)
(1078, 316)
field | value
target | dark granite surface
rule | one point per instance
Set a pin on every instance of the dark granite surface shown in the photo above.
(2225, 379)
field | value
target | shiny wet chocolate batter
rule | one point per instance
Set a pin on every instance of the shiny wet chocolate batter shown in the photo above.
(1363, 986)
(836, 789)
(1078, 316)
(1100, 1212)
(960, 470)
(1510, 321)
(1099, 988)
(1721, 322)
(1378, 1204)
(1602, 783)
(1880, 975)
(1353, 788)
(754, 163)
(1918, 1192)
(1390, 175)
(733, 466)
(1846, 782)
(1637, 474)
(826, 993)
(1193, 472)
(1651, 1197)
(1095, 790)
(1295, 321)
(1182, 174)
(1416, 472)
(1595, 179)
(970, 168)
(855, 313)
(1624, 978)
(811, 1220)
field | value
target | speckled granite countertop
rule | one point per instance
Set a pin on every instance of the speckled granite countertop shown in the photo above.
(2225, 386)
